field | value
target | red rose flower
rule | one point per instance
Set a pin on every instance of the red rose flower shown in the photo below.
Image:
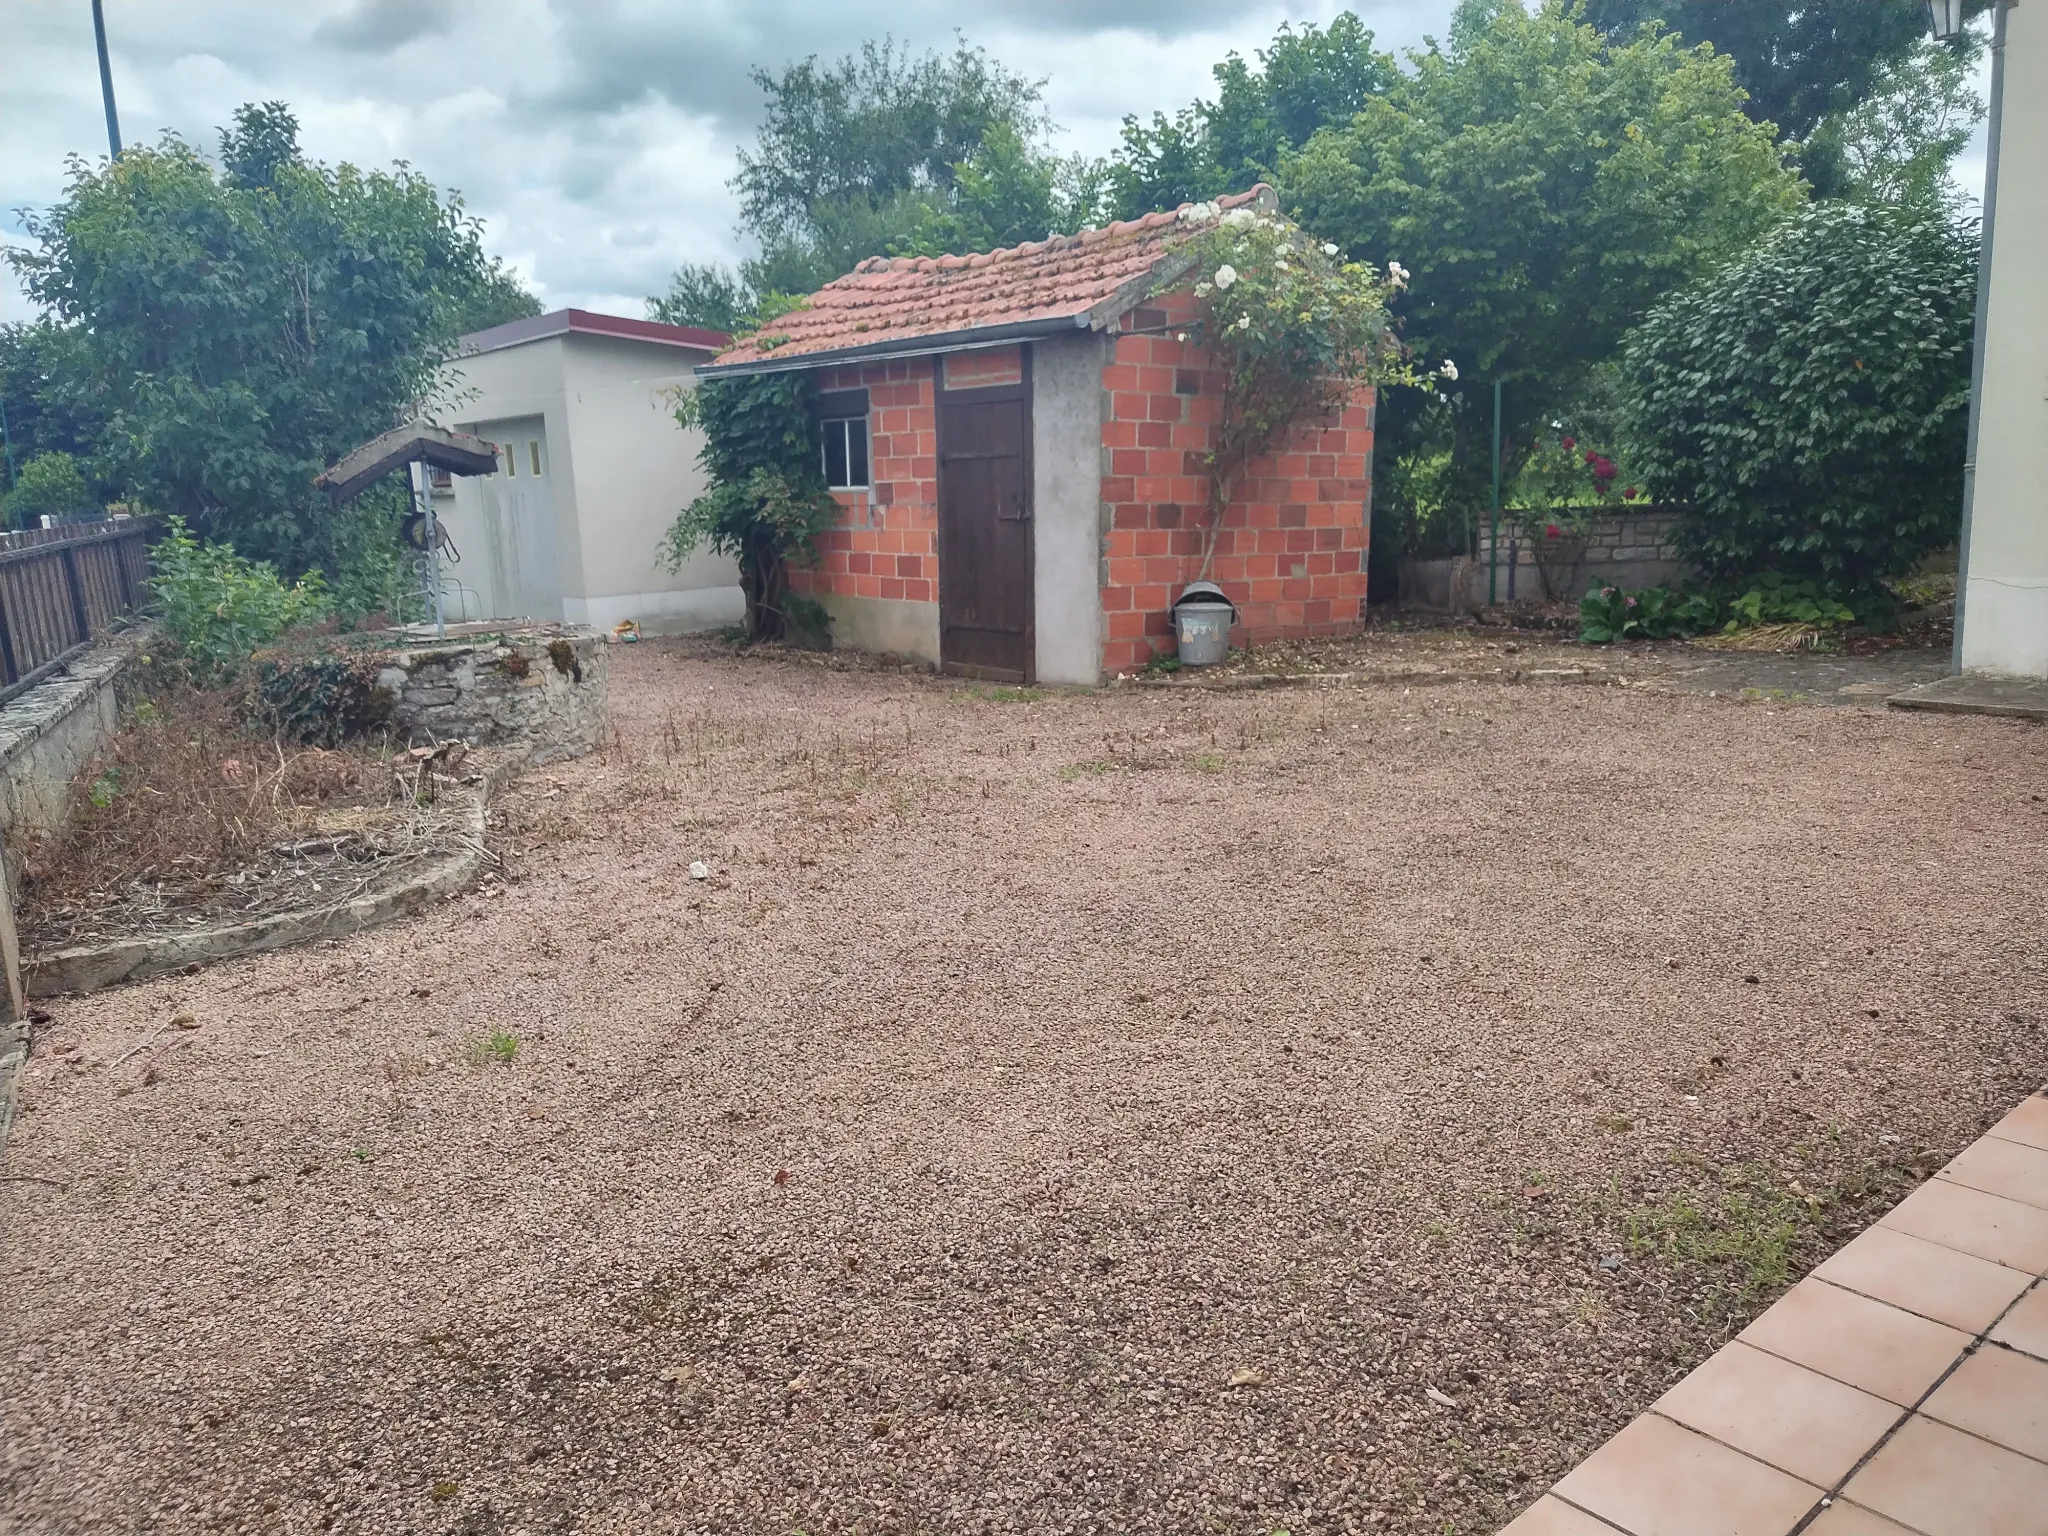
(1552, 531)
(1629, 494)
(1592, 457)
(1569, 444)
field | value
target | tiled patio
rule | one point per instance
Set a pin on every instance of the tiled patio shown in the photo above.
(1899, 1390)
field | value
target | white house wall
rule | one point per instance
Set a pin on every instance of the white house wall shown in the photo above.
(2005, 596)
(636, 469)
(621, 469)
(492, 387)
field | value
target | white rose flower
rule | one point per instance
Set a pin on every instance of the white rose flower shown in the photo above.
(1282, 266)
(1240, 218)
(1397, 274)
(1183, 336)
(1244, 322)
(1449, 370)
(1203, 290)
(1329, 247)
(1225, 275)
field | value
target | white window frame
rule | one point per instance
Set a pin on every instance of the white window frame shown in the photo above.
(841, 424)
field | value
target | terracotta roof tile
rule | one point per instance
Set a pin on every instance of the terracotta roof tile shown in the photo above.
(893, 303)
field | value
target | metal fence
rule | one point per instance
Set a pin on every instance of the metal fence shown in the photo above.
(62, 588)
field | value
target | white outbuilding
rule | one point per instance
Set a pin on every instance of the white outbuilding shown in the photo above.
(592, 469)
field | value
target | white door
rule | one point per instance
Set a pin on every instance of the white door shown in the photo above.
(519, 521)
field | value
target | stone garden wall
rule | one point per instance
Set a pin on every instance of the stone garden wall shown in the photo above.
(1622, 549)
(544, 687)
(1633, 549)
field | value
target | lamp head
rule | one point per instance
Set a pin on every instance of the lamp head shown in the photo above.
(1945, 17)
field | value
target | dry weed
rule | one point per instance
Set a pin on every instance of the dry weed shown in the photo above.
(188, 794)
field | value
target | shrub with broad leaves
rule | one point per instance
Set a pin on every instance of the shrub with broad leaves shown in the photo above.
(1807, 402)
(220, 608)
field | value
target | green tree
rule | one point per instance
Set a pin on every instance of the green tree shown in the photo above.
(1801, 63)
(51, 404)
(241, 328)
(1898, 143)
(1543, 186)
(705, 294)
(1165, 163)
(889, 152)
(1005, 193)
(263, 142)
(1308, 79)
(1808, 400)
(768, 501)
(497, 297)
(50, 486)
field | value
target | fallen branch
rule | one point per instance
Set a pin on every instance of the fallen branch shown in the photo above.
(143, 1046)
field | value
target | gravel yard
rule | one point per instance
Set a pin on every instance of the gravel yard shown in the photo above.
(1149, 1111)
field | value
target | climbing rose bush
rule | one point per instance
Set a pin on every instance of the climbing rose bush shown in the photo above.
(1295, 330)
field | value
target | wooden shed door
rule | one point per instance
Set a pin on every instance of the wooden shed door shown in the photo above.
(985, 607)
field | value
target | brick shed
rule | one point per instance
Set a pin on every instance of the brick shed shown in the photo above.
(1017, 440)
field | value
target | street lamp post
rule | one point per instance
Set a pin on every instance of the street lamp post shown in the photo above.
(99, 32)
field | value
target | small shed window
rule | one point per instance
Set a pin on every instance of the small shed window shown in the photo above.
(846, 452)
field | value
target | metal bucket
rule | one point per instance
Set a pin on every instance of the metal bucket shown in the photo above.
(1201, 624)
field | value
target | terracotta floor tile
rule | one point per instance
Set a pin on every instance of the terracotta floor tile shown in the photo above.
(2002, 1168)
(1553, 1517)
(2028, 1123)
(1798, 1421)
(1656, 1478)
(1937, 1282)
(2026, 1325)
(1842, 1518)
(1990, 1226)
(1943, 1482)
(2001, 1395)
(1867, 1344)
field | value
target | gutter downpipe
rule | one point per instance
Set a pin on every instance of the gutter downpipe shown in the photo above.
(1996, 112)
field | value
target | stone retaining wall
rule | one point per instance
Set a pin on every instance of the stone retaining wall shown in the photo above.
(51, 732)
(484, 685)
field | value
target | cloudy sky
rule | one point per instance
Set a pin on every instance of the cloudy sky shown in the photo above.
(595, 137)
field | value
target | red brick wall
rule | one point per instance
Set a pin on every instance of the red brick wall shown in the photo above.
(887, 541)
(1291, 553)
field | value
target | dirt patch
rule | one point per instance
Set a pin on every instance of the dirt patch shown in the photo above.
(1149, 1110)
(1429, 640)
(194, 817)
(1427, 649)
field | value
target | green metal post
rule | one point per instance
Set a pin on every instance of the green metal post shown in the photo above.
(1493, 532)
